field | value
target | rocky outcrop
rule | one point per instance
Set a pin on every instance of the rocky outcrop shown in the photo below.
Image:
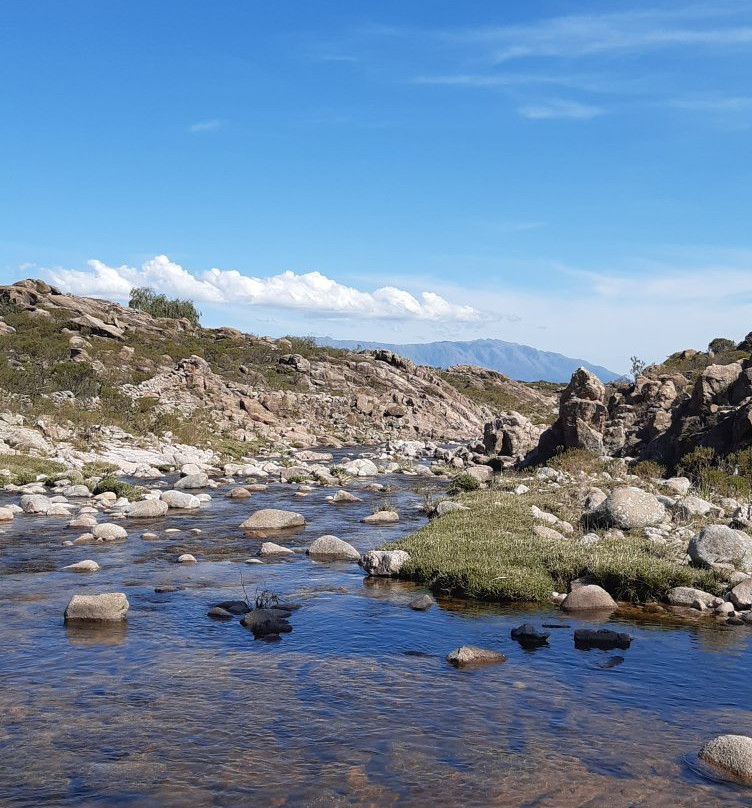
(511, 434)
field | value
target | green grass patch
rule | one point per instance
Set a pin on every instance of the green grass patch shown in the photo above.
(119, 488)
(25, 469)
(491, 553)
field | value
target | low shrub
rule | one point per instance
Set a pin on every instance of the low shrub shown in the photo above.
(119, 488)
(462, 482)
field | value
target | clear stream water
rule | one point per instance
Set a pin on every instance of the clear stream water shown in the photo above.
(356, 706)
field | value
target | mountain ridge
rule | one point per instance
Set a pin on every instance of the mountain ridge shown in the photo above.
(519, 362)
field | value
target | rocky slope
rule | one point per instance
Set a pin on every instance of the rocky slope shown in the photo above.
(83, 373)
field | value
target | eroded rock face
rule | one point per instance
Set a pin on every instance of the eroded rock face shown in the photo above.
(510, 434)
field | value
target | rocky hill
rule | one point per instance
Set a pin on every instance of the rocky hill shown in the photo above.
(80, 373)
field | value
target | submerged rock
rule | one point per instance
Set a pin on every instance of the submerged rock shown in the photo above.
(267, 622)
(470, 656)
(422, 603)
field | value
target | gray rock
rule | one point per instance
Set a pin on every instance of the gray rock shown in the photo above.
(483, 474)
(628, 508)
(35, 503)
(686, 596)
(83, 566)
(146, 509)
(588, 598)
(6, 514)
(109, 532)
(192, 481)
(719, 544)
(741, 594)
(384, 563)
(238, 493)
(107, 607)
(362, 467)
(186, 558)
(331, 547)
(448, 506)
(381, 518)
(344, 496)
(422, 603)
(730, 753)
(528, 635)
(470, 656)
(269, 548)
(180, 499)
(544, 532)
(692, 506)
(273, 519)
(77, 491)
(679, 485)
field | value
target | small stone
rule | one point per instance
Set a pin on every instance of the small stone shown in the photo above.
(421, 603)
(330, 547)
(109, 532)
(381, 518)
(186, 558)
(589, 598)
(273, 519)
(269, 548)
(384, 563)
(108, 607)
(344, 496)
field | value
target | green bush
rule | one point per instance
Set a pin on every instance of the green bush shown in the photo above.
(146, 299)
(649, 470)
(463, 482)
(119, 488)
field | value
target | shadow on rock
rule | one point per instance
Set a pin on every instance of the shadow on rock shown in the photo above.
(603, 639)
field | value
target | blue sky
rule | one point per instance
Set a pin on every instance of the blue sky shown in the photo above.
(571, 175)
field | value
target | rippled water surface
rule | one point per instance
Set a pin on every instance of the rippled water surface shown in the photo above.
(356, 706)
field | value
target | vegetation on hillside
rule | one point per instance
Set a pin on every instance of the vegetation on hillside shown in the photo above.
(145, 299)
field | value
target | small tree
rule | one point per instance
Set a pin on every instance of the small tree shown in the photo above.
(637, 366)
(146, 299)
(720, 345)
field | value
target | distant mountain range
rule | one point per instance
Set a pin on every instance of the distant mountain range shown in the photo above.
(519, 362)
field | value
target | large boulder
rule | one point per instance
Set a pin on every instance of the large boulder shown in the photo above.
(713, 384)
(362, 467)
(582, 413)
(109, 531)
(146, 509)
(688, 596)
(720, 544)
(384, 563)
(591, 598)
(330, 547)
(730, 753)
(35, 503)
(192, 481)
(273, 519)
(510, 434)
(180, 499)
(627, 508)
(108, 607)
(741, 594)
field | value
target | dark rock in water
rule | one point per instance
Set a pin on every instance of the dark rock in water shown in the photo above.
(604, 638)
(611, 662)
(288, 607)
(422, 603)
(266, 622)
(420, 654)
(527, 634)
(556, 625)
(234, 606)
(165, 590)
(735, 621)
(218, 613)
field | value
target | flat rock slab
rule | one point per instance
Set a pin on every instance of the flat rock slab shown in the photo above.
(273, 519)
(107, 607)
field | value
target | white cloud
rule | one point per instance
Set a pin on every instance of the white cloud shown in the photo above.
(206, 126)
(310, 292)
(560, 109)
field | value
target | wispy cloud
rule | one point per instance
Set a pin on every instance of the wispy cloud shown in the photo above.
(718, 104)
(582, 35)
(560, 109)
(207, 126)
(311, 292)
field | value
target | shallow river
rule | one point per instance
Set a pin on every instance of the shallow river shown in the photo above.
(356, 706)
